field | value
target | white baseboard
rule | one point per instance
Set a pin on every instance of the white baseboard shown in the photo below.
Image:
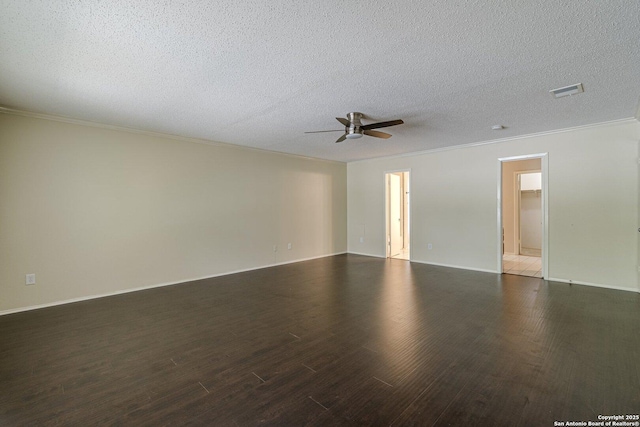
(531, 252)
(595, 285)
(455, 266)
(431, 263)
(159, 285)
(365, 254)
(142, 288)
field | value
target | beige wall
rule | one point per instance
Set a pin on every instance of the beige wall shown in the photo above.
(593, 204)
(94, 211)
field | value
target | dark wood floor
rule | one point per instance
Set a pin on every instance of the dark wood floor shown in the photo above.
(344, 340)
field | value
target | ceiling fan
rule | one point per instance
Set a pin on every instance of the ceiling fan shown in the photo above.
(353, 127)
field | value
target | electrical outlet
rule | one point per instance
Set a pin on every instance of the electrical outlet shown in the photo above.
(275, 248)
(429, 246)
(362, 240)
(31, 279)
(289, 246)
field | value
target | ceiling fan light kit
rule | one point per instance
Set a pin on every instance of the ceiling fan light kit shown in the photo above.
(354, 129)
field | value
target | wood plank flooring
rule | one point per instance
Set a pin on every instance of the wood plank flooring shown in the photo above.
(344, 340)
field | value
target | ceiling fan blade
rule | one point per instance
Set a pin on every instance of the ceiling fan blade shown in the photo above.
(382, 124)
(321, 131)
(342, 138)
(345, 122)
(377, 134)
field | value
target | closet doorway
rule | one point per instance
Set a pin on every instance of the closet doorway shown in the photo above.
(529, 214)
(522, 215)
(397, 209)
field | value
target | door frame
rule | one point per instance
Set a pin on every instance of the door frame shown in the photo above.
(544, 163)
(385, 206)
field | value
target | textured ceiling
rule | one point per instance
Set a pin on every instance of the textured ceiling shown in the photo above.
(261, 73)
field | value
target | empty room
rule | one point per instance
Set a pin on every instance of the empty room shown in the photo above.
(319, 213)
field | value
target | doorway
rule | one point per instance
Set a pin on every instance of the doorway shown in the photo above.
(523, 215)
(529, 218)
(397, 212)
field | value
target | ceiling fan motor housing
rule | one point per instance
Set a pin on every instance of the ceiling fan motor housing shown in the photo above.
(354, 131)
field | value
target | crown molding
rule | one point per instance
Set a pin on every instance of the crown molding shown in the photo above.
(70, 120)
(88, 123)
(511, 138)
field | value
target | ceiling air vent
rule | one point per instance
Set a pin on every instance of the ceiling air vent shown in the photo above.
(567, 90)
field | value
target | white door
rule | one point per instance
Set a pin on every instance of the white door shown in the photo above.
(395, 215)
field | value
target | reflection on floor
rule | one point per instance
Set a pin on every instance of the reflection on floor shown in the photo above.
(522, 265)
(404, 254)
